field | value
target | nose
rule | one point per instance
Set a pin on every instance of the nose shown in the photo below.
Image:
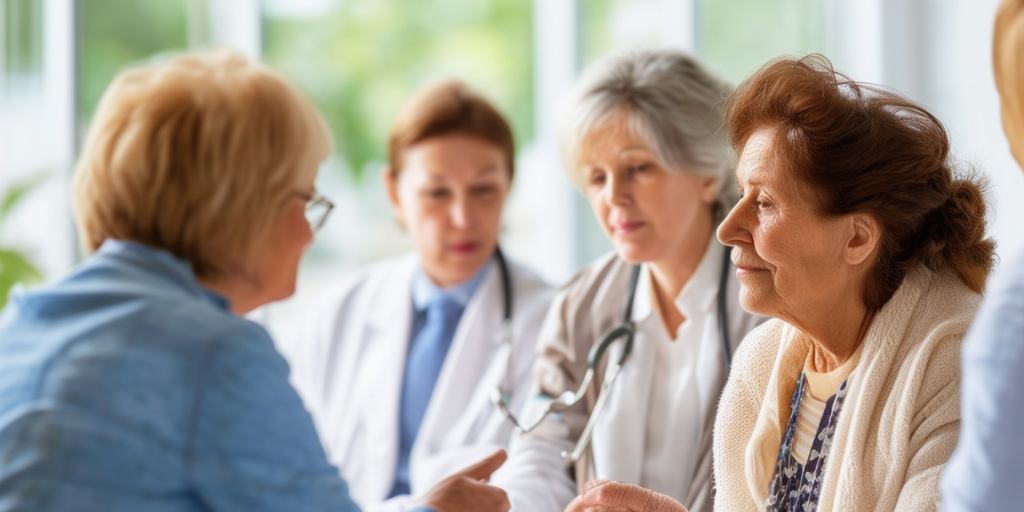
(461, 213)
(618, 192)
(735, 229)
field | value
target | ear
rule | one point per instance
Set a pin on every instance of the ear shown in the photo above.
(391, 187)
(865, 237)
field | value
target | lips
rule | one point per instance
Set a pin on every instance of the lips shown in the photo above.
(464, 247)
(746, 267)
(627, 227)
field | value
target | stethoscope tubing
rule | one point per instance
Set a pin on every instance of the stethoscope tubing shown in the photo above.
(626, 331)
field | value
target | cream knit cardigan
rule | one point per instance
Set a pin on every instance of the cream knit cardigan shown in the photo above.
(899, 422)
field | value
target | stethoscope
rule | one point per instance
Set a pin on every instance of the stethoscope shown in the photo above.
(626, 331)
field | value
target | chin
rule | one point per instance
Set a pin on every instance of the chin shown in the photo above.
(634, 253)
(754, 302)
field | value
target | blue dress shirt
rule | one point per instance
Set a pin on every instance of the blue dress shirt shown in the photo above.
(985, 471)
(128, 386)
(437, 313)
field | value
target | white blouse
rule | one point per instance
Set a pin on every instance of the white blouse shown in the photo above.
(688, 375)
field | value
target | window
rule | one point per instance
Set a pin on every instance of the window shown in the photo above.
(359, 61)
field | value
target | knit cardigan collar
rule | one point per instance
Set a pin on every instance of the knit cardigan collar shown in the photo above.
(928, 304)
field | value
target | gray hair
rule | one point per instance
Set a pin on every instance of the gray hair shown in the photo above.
(673, 102)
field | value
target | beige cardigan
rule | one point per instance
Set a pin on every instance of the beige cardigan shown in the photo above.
(899, 422)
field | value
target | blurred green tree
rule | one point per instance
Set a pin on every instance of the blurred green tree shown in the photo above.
(16, 266)
(360, 60)
(118, 33)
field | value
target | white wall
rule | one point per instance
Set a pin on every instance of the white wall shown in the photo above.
(939, 53)
(962, 92)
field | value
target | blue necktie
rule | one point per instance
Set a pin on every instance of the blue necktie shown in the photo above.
(422, 365)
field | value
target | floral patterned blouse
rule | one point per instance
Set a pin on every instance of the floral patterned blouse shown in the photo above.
(796, 487)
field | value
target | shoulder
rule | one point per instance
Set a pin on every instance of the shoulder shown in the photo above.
(993, 349)
(367, 281)
(755, 358)
(996, 334)
(245, 348)
(586, 293)
(531, 294)
(938, 319)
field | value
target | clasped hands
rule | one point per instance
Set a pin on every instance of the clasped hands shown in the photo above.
(468, 491)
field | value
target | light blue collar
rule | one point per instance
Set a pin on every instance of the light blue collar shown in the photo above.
(425, 291)
(161, 262)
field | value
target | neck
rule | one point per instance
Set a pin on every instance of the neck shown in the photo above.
(240, 292)
(672, 272)
(837, 335)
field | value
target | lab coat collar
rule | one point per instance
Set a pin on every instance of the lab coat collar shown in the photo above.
(698, 294)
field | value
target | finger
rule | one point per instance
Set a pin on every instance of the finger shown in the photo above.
(594, 483)
(631, 497)
(482, 470)
(576, 505)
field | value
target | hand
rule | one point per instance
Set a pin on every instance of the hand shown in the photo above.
(467, 490)
(606, 496)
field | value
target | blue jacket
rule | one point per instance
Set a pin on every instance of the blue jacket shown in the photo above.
(128, 386)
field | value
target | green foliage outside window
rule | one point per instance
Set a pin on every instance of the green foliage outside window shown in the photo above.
(363, 58)
(16, 266)
(119, 33)
(737, 37)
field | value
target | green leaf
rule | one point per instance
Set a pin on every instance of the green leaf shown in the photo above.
(18, 191)
(14, 269)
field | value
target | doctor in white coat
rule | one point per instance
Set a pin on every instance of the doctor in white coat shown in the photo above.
(641, 143)
(398, 363)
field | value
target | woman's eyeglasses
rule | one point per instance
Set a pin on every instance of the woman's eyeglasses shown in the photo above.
(317, 209)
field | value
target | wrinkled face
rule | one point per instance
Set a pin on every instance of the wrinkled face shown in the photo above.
(789, 259)
(648, 211)
(449, 196)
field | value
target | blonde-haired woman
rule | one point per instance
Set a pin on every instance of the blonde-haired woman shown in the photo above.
(641, 143)
(984, 472)
(134, 383)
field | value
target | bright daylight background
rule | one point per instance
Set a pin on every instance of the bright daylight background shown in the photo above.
(360, 59)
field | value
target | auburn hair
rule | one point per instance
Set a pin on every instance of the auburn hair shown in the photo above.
(448, 108)
(865, 149)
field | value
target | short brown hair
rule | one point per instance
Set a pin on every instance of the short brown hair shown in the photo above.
(866, 149)
(448, 108)
(196, 156)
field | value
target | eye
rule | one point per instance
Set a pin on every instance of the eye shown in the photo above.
(597, 178)
(483, 190)
(437, 193)
(634, 169)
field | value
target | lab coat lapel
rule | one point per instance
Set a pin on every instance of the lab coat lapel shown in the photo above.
(378, 387)
(618, 447)
(456, 404)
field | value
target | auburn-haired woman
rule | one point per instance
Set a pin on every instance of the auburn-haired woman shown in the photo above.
(858, 234)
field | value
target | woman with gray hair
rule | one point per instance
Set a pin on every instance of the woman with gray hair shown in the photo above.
(636, 347)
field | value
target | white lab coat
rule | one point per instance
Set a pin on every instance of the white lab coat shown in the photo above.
(350, 365)
(535, 477)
